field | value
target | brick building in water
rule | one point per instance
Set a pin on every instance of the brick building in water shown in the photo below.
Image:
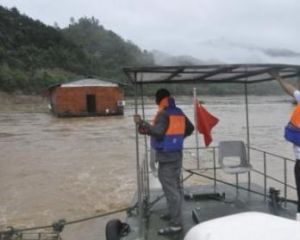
(86, 97)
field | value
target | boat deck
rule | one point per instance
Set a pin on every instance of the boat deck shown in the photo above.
(204, 203)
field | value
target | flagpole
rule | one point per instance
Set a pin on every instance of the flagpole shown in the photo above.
(196, 126)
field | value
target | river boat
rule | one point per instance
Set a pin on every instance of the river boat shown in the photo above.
(242, 200)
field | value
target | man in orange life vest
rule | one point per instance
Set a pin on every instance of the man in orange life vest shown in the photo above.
(168, 130)
(292, 130)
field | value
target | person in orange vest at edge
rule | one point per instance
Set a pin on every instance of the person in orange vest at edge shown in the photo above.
(292, 130)
(168, 130)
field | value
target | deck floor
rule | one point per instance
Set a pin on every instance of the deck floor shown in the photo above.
(207, 208)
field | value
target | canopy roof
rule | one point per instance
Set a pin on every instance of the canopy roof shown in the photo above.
(221, 73)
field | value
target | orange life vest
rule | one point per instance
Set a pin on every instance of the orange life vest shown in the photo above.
(174, 136)
(295, 118)
(292, 129)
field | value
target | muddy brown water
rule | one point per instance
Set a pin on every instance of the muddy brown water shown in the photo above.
(53, 168)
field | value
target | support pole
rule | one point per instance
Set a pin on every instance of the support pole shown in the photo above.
(146, 168)
(265, 176)
(138, 174)
(248, 132)
(196, 125)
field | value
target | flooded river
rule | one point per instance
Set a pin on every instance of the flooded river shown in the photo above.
(54, 168)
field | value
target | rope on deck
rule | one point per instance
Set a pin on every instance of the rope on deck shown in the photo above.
(57, 226)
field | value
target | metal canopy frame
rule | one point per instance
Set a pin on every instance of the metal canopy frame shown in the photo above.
(221, 73)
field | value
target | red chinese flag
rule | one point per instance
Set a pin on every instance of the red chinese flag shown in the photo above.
(205, 122)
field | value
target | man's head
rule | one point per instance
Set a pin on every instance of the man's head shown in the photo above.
(161, 94)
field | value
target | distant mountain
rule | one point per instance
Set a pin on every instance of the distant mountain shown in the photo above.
(165, 59)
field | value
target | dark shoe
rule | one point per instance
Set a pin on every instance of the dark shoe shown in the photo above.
(165, 217)
(169, 230)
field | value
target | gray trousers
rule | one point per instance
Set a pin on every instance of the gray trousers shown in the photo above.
(169, 177)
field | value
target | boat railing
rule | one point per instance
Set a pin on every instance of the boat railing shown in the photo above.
(270, 171)
(285, 182)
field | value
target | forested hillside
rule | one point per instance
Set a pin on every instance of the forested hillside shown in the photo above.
(109, 51)
(34, 55)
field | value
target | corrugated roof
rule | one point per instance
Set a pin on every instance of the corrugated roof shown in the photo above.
(221, 73)
(89, 82)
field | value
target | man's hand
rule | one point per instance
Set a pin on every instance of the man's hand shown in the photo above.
(137, 119)
(288, 88)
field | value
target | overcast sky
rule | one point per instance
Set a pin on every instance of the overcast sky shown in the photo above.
(232, 31)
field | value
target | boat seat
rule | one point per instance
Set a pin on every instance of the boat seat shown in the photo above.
(233, 157)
